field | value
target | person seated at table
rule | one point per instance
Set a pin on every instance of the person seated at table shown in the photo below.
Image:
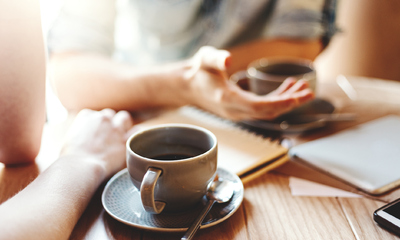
(136, 55)
(94, 149)
(50, 206)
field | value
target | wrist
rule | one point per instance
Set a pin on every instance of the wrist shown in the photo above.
(184, 78)
(84, 164)
(172, 87)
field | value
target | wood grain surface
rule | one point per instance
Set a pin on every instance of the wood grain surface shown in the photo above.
(268, 211)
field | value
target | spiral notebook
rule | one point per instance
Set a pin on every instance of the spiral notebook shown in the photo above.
(239, 151)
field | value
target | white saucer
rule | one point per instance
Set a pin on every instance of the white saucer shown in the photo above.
(121, 200)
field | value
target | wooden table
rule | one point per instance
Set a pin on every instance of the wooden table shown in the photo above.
(269, 211)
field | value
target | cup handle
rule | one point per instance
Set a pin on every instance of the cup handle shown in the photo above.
(147, 191)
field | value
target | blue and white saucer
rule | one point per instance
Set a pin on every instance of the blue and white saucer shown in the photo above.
(121, 200)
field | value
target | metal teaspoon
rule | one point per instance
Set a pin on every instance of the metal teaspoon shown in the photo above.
(220, 191)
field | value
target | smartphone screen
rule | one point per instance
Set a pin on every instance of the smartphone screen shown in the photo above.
(388, 216)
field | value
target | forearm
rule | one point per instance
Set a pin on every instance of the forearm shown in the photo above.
(242, 55)
(84, 80)
(22, 81)
(51, 205)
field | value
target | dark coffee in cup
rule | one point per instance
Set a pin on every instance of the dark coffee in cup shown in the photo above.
(172, 156)
(285, 69)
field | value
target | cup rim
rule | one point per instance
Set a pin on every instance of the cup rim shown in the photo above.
(252, 72)
(168, 125)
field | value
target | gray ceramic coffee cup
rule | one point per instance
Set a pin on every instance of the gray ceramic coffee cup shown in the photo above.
(267, 74)
(172, 165)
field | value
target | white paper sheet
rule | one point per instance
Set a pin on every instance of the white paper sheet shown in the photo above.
(365, 156)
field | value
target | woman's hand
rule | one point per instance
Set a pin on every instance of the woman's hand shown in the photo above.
(101, 136)
(210, 88)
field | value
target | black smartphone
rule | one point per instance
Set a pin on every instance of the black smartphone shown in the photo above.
(388, 216)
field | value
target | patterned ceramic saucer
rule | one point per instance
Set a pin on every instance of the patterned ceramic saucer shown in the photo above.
(122, 201)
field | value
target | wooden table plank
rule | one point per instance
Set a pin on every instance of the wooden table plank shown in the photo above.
(269, 211)
(273, 213)
(234, 228)
(359, 213)
(14, 179)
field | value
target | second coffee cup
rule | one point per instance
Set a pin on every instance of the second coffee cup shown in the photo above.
(267, 74)
(172, 165)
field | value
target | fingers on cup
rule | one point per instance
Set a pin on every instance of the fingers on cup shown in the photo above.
(286, 103)
(297, 98)
(304, 96)
(286, 85)
(296, 93)
(298, 86)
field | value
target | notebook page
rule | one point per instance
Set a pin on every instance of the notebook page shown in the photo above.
(365, 156)
(238, 150)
